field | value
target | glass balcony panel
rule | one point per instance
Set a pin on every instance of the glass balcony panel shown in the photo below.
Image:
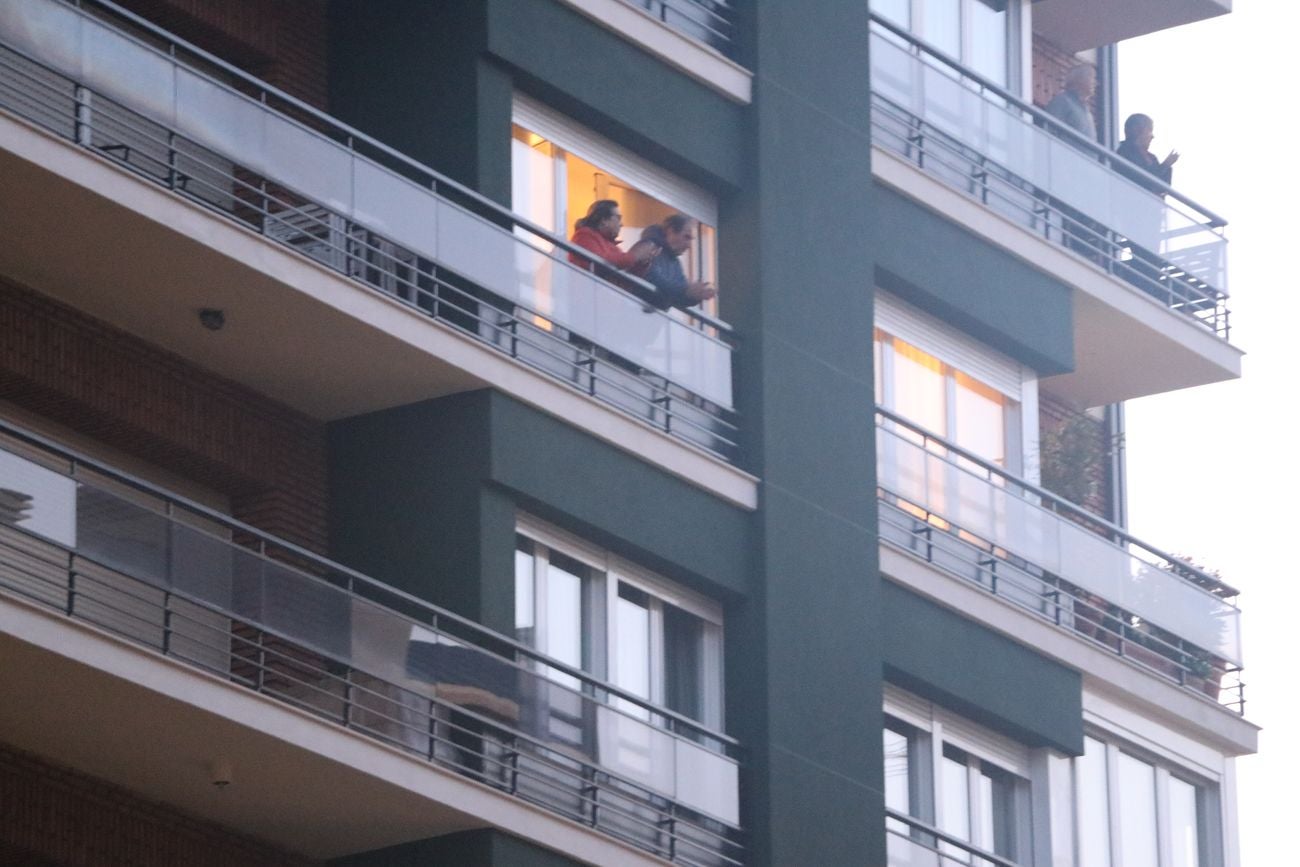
(128, 71)
(707, 781)
(625, 328)
(1015, 520)
(1171, 603)
(309, 163)
(37, 499)
(122, 535)
(904, 852)
(202, 566)
(636, 750)
(895, 74)
(1079, 179)
(48, 31)
(698, 362)
(220, 118)
(394, 206)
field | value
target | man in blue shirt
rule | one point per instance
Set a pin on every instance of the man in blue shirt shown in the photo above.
(674, 236)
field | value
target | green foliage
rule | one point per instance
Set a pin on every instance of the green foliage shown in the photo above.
(1072, 459)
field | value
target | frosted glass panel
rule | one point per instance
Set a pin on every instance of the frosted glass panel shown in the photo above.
(37, 500)
(127, 71)
(947, 487)
(396, 208)
(50, 31)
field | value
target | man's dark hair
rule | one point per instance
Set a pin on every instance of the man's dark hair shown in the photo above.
(599, 212)
(676, 222)
(1135, 122)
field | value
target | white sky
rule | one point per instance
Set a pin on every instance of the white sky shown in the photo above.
(1212, 470)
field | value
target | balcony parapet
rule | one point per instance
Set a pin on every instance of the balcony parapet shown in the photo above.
(712, 22)
(193, 584)
(1027, 166)
(1034, 549)
(132, 93)
(911, 843)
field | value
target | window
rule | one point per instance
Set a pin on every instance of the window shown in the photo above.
(947, 401)
(558, 169)
(951, 774)
(1132, 810)
(979, 33)
(595, 612)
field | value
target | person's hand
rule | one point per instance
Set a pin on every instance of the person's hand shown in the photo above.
(644, 251)
(700, 291)
(1171, 159)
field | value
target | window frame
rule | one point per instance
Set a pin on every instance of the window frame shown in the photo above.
(1208, 808)
(932, 729)
(600, 599)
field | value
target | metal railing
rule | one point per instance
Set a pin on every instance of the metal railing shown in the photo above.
(709, 21)
(131, 93)
(1023, 543)
(1026, 165)
(913, 843)
(199, 586)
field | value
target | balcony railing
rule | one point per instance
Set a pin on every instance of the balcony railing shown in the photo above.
(712, 22)
(127, 91)
(197, 586)
(913, 843)
(1029, 167)
(976, 521)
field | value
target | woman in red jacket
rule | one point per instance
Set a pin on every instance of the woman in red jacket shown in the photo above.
(598, 232)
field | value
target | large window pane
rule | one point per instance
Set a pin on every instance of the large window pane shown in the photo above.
(1137, 811)
(564, 617)
(525, 595)
(954, 814)
(1184, 828)
(918, 387)
(941, 25)
(1093, 805)
(997, 810)
(988, 42)
(898, 770)
(980, 419)
(683, 662)
(631, 666)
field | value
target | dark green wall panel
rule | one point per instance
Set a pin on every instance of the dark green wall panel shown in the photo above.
(1001, 683)
(932, 262)
(425, 496)
(618, 89)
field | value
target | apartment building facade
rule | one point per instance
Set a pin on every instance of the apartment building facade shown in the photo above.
(350, 514)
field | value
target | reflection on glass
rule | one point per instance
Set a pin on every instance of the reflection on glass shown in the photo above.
(1184, 842)
(525, 594)
(37, 500)
(1093, 806)
(980, 419)
(1137, 811)
(954, 804)
(897, 11)
(898, 787)
(988, 42)
(941, 25)
(632, 640)
(564, 626)
(683, 662)
(997, 810)
(918, 387)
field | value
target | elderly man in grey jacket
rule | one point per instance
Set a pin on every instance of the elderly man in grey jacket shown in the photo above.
(1072, 106)
(673, 289)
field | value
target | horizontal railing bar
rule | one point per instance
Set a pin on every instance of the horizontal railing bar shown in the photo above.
(77, 459)
(352, 134)
(1061, 503)
(136, 149)
(1054, 602)
(945, 837)
(1057, 127)
(1169, 287)
(538, 750)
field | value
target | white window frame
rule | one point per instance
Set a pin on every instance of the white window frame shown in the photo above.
(1209, 804)
(977, 360)
(610, 571)
(939, 727)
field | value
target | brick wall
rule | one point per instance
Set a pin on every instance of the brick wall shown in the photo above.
(54, 816)
(281, 41)
(1050, 64)
(135, 397)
